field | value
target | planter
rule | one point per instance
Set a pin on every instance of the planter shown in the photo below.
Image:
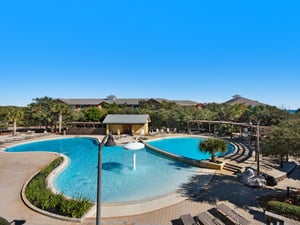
(212, 165)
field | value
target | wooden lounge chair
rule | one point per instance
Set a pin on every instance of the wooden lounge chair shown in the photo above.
(232, 215)
(206, 219)
(187, 219)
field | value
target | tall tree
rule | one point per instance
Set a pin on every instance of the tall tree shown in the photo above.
(93, 114)
(60, 108)
(283, 140)
(236, 111)
(40, 112)
(14, 114)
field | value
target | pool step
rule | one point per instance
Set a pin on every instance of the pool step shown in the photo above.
(232, 168)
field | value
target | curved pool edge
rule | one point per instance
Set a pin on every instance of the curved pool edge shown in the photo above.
(41, 211)
(186, 160)
(189, 161)
(56, 172)
(110, 210)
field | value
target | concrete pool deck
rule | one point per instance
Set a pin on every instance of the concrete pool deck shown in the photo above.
(17, 168)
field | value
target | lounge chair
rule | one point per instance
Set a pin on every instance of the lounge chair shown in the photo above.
(232, 215)
(206, 219)
(4, 221)
(187, 219)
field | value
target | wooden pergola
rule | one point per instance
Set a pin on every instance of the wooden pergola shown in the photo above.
(263, 129)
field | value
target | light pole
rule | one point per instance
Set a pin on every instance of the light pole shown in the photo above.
(257, 147)
(98, 214)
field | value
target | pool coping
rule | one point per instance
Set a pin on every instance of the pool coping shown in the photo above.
(130, 208)
(190, 161)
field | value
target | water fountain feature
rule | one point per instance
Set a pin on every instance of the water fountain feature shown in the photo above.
(134, 146)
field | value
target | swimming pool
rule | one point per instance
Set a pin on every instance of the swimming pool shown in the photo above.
(155, 175)
(186, 147)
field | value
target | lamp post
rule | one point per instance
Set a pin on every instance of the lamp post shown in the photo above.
(98, 214)
(257, 147)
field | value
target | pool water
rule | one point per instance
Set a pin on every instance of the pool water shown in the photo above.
(154, 174)
(187, 147)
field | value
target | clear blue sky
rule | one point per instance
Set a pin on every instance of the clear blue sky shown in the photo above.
(206, 51)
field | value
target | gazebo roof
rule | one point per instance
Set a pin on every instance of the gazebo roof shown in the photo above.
(126, 119)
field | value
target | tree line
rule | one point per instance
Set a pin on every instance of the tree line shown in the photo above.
(49, 113)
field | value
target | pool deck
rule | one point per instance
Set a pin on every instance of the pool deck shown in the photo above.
(17, 168)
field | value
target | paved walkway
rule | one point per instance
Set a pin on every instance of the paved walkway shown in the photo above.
(17, 168)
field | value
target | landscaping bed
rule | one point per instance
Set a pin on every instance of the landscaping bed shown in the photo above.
(40, 196)
(282, 204)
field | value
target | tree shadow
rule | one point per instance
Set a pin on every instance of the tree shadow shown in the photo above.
(226, 188)
(113, 166)
(295, 174)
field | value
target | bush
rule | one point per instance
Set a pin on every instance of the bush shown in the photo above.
(3, 221)
(39, 195)
(284, 209)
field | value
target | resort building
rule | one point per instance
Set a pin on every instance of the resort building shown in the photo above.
(117, 124)
(237, 99)
(82, 103)
(79, 104)
(135, 124)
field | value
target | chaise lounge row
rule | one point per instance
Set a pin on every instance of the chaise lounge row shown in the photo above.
(220, 215)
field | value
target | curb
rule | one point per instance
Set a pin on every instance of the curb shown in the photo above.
(44, 212)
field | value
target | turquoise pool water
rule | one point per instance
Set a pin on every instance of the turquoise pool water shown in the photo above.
(186, 147)
(154, 175)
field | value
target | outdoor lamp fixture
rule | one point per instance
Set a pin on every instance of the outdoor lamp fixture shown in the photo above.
(98, 214)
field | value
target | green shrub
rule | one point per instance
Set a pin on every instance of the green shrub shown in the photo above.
(3, 221)
(284, 209)
(143, 138)
(40, 196)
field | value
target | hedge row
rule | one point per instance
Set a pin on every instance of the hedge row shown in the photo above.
(284, 209)
(40, 196)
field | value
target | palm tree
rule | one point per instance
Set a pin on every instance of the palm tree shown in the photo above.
(212, 146)
(236, 111)
(59, 108)
(14, 115)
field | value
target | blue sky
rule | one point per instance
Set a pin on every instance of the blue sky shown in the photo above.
(206, 51)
